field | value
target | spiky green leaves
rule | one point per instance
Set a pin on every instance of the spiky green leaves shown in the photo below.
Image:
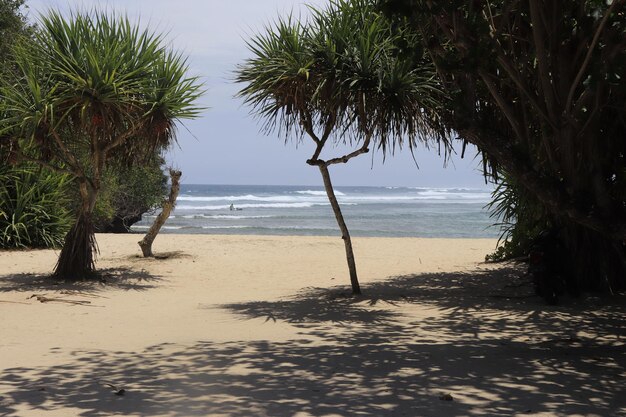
(99, 79)
(345, 63)
(34, 207)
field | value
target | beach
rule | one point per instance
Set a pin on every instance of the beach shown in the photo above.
(229, 325)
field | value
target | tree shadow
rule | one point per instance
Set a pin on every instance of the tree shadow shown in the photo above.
(312, 305)
(162, 256)
(121, 278)
(368, 356)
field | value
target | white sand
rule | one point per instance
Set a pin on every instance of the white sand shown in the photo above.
(261, 326)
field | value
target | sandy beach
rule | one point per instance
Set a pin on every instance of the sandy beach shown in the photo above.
(264, 326)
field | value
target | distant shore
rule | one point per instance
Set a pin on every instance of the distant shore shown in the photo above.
(264, 326)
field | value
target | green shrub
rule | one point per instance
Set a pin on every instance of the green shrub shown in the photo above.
(520, 218)
(34, 207)
(127, 193)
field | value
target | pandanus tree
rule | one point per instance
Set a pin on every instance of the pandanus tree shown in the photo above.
(341, 77)
(92, 87)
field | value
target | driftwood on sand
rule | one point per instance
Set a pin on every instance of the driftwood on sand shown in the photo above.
(168, 205)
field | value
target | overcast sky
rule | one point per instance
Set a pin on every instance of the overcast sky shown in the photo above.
(224, 146)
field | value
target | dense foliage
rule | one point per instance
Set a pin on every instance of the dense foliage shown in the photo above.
(127, 193)
(344, 71)
(92, 83)
(13, 25)
(520, 217)
(34, 207)
(37, 206)
(538, 87)
(34, 204)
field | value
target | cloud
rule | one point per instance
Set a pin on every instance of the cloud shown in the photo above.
(212, 33)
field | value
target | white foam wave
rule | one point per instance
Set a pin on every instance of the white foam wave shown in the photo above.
(269, 228)
(248, 197)
(140, 227)
(228, 227)
(223, 216)
(306, 198)
(250, 206)
(455, 195)
(385, 198)
(317, 193)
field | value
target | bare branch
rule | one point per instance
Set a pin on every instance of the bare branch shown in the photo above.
(328, 128)
(345, 158)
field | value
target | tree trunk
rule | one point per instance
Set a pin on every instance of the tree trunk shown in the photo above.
(345, 234)
(78, 255)
(168, 205)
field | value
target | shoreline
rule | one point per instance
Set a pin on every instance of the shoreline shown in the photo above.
(264, 325)
(134, 232)
(306, 211)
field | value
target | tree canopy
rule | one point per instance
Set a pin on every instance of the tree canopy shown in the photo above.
(345, 69)
(538, 87)
(343, 76)
(92, 84)
(13, 25)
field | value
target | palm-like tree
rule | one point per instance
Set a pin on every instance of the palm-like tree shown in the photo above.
(90, 88)
(341, 77)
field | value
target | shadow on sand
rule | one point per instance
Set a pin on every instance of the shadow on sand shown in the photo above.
(125, 279)
(394, 353)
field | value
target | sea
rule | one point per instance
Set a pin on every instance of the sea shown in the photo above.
(305, 210)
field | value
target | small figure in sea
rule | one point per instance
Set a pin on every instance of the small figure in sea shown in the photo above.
(232, 207)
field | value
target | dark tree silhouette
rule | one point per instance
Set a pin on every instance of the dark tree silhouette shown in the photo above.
(539, 87)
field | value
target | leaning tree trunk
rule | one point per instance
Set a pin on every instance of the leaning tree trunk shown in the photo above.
(78, 255)
(345, 234)
(168, 205)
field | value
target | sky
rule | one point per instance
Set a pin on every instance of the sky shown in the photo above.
(225, 144)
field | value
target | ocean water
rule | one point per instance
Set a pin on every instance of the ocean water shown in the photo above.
(305, 210)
